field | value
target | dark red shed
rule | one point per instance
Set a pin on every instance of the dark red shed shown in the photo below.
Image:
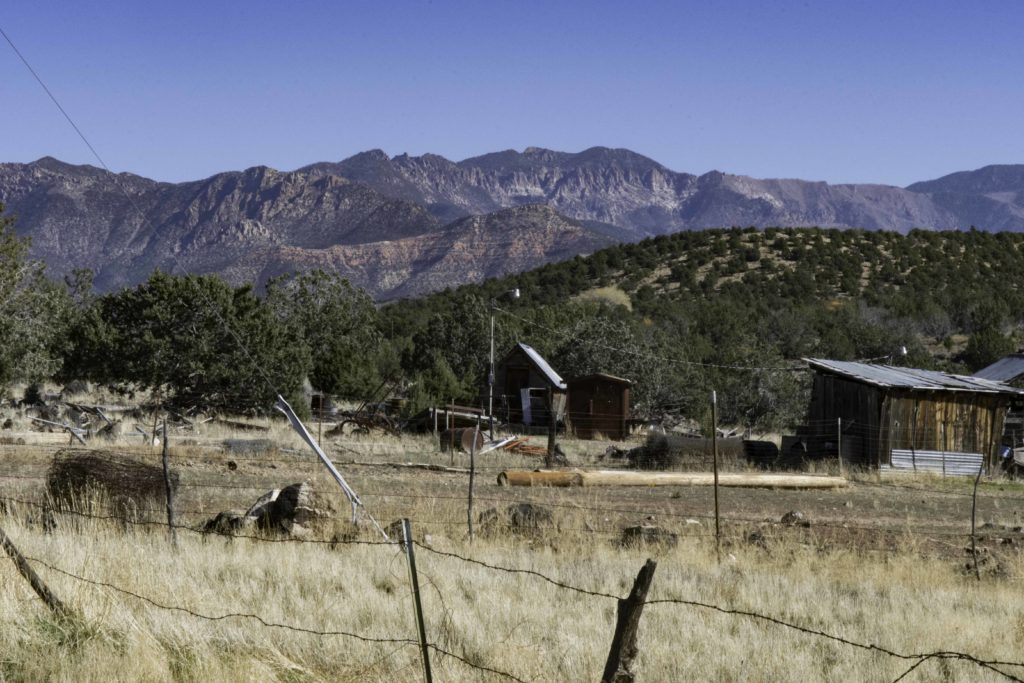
(598, 404)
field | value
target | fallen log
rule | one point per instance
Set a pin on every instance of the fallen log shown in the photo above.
(631, 478)
(540, 478)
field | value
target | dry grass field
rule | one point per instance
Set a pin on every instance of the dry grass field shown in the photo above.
(881, 563)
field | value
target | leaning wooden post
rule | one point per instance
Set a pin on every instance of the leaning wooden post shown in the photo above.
(618, 668)
(415, 582)
(169, 489)
(41, 589)
(714, 452)
(472, 473)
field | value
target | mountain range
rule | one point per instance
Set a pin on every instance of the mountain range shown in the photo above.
(403, 225)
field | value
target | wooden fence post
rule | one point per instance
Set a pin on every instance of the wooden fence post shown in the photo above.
(618, 668)
(552, 428)
(41, 589)
(472, 473)
(451, 434)
(169, 489)
(839, 443)
(421, 628)
(974, 512)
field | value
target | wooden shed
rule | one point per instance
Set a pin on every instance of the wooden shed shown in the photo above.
(598, 404)
(905, 418)
(522, 381)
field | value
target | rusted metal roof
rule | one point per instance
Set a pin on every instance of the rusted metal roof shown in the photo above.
(888, 376)
(1003, 370)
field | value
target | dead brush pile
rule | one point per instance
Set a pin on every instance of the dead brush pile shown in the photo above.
(85, 479)
(684, 452)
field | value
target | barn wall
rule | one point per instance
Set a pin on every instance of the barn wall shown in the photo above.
(859, 406)
(598, 406)
(946, 421)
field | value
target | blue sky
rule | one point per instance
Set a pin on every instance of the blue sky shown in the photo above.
(890, 92)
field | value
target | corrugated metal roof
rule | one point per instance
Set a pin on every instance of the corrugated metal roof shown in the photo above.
(910, 378)
(1003, 370)
(542, 365)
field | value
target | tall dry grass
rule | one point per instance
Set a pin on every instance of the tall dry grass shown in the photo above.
(512, 622)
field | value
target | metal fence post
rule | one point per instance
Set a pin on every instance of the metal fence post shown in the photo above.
(417, 604)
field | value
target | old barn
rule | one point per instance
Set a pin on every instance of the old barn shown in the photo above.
(905, 418)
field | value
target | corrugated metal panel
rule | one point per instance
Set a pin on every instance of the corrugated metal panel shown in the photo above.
(939, 462)
(543, 366)
(910, 378)
(1003, 370)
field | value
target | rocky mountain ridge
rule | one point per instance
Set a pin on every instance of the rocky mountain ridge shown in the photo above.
(405, 225)
(642, 198)
(254, 224)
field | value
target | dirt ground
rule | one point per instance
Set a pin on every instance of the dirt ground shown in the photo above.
(896, 513)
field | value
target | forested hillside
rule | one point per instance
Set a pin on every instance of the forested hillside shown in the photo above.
(667, 312)
(732, 310)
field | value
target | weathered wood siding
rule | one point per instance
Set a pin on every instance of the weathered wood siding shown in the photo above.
(945, 421)
(859, 405)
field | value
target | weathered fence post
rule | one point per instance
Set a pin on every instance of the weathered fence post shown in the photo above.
(839, 443)
(945, 447)
(618, 668)
(913, 438)
(714, 451)
(974, 510)
(41, 589)
(472, 474)
(414, 580)
(451, 434)
(552, 428)
(169, 489)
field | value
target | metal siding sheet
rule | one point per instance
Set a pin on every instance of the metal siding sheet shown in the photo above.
(951, 463)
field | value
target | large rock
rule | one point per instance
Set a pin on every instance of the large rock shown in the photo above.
(287, 510)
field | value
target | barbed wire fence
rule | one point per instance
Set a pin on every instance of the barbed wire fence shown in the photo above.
(1006, 669)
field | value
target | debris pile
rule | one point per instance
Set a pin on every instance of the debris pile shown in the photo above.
(79, 478)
